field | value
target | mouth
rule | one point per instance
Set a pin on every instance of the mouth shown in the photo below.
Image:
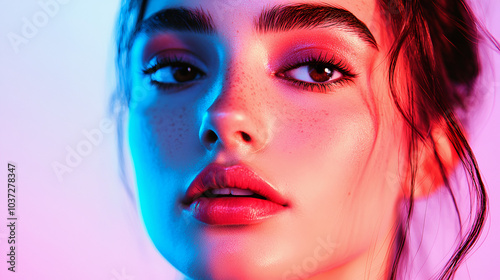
(232, 195)
(230, 192)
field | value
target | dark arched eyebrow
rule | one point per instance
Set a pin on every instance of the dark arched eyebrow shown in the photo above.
(305, 16)
(279, 18)
(178, 19)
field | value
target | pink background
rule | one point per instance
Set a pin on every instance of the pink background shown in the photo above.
(83, 226)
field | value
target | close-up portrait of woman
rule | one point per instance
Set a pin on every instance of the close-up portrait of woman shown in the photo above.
(290, 139)
(251, 140)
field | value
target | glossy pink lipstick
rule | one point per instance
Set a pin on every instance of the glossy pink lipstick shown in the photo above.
(233, 195)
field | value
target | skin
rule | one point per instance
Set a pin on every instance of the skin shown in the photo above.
(334, 155)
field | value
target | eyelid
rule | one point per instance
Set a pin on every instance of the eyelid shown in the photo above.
(180, 56)
(323, 58)
(304, 70)
(156, 64)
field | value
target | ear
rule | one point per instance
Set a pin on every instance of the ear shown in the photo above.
(429, 172)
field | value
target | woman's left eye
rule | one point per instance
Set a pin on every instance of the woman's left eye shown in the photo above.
(314, 73)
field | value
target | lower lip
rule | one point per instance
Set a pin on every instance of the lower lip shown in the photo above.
(233, 210)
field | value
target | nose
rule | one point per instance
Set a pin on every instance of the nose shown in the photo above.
(235, 120)
(231, 130)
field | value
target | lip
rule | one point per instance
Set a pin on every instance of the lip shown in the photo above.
(231, 210)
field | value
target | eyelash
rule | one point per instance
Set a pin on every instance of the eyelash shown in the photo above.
(335, 64)
(166, 62)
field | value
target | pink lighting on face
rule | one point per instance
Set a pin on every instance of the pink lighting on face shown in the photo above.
(234, 209)
(316, 148)
(325, 147)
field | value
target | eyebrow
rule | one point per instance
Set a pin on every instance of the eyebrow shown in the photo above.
(178, 19)
(306, 16)
(278, 18)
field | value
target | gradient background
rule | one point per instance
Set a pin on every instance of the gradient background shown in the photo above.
(84, 226)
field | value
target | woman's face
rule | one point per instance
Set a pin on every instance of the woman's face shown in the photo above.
(302, 101)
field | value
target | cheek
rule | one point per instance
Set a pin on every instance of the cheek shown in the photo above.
(160, 136)
(336, 146)
(320, 154)
(163, 144)
(330, 137)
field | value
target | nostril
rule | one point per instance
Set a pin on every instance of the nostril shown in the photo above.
(245, 136)
(211, 136)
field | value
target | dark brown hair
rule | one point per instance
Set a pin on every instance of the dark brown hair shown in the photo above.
(439, 40)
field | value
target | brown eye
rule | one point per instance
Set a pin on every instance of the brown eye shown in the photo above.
(185, 73)
(320, 73)
(175, 74)
(314, 73)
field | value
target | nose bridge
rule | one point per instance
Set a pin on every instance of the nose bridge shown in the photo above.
(241, 81)
(237, 89)
(235, 118)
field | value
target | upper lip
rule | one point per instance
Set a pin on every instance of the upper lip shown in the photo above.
(216, 176)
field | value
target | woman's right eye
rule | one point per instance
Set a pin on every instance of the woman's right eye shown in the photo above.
(169, 73)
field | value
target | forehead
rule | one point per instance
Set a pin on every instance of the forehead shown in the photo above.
(363, 9)
(235, 16)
